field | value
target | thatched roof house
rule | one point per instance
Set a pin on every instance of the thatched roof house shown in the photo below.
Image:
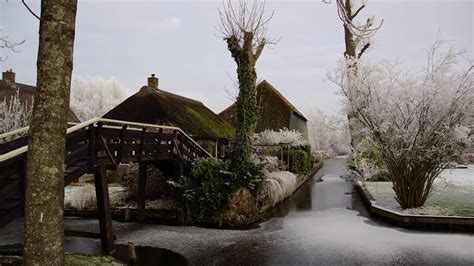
(276, 112)
(9, 88)
(155, 106)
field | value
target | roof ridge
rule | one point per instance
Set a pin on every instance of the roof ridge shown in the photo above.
(285, 100)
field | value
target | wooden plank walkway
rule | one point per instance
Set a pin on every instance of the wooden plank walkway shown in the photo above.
(93, 147)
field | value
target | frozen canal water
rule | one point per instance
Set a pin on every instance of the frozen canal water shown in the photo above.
(321, 224)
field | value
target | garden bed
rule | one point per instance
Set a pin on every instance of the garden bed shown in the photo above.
(451, 205)
(161, 211)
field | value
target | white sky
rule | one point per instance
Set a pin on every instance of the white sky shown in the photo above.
(178, 41)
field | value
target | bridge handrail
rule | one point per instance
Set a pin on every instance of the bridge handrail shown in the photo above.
(87, 123)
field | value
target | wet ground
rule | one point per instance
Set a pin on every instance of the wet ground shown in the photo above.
(323, 223)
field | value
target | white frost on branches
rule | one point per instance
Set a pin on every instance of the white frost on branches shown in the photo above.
(93, 96)
(328, 134)
(417, 121)
(282, 136)
(13, 113)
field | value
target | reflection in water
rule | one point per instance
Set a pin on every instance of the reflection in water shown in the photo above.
(333, 192)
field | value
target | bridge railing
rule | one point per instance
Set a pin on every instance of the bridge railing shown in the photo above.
(135, 134)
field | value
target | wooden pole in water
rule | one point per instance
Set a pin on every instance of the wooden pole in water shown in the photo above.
(103, 210)
(142, 180)
(132, 255)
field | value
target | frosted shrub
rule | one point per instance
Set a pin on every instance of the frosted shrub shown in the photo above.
(277, 186)
(83, 197)
(282, 136)
(14, 114)
(269, 163)
(415, 121)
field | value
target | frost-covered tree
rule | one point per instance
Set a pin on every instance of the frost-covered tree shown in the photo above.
(328, 134)
(417, 121)
(93, 96)
(357, 36)
(244, 27)
(14, 113)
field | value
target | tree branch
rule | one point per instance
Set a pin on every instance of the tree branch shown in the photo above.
(259, 49)
(357, 12)
(29, 9)
(366, 46)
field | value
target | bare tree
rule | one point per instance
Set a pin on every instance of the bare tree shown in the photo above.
(5, 43)
(244, 29)
(44, 196)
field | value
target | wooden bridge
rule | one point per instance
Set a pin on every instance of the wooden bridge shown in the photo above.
(93, 147)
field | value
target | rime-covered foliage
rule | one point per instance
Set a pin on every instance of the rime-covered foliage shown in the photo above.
(278, 185)
(93, 96)
(14, 114)
(281, 136)
(328, 134)
(84, 197)
(416, 121)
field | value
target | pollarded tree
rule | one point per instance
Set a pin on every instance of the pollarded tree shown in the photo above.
(244, 28)
(418, 122)
(357, 36)
(44, 196)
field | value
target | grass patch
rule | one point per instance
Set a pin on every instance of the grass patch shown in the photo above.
(447, 199)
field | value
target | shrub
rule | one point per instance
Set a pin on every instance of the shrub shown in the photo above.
(206, 192)
(277, 186)
(300, 159)
(83, 197)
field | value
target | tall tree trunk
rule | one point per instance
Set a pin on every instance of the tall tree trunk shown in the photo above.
(246, 104)
(348, 36)
(44, 197)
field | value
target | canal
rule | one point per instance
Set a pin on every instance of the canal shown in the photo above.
(323, 223)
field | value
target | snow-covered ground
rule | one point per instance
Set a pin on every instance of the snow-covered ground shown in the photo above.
(453, 194)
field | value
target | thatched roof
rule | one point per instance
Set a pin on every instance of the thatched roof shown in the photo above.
(26, 93)
(275, 110)
(155, 106)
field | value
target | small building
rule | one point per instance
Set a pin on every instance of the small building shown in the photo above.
(9, 87)
(153, 105)
(275, 111)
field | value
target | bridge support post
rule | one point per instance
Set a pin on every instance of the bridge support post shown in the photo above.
(142, 180)
(179, 168)
(103, 210)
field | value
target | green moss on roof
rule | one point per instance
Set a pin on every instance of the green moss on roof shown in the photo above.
(211, 123)
(160, 107)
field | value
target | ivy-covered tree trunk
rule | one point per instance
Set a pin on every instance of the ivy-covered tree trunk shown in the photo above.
(246, 104)
(44, 197)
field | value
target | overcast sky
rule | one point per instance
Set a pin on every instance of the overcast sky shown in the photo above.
(178, 41)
